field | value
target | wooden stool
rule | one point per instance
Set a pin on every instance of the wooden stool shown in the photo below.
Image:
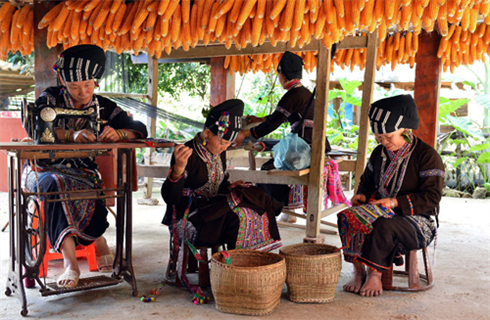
(192, 264)
(411, 270)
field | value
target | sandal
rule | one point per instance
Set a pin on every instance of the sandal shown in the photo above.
(70, 279)
(104, 263)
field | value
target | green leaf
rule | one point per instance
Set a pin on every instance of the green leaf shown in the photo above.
(469, 83)
(484, 158)
(487, 186)
(483, 100)
(349, 86)
(353, 100)
(479, 147)
(459, 161)
(466, 126)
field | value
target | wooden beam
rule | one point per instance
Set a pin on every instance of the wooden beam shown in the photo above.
(315, 185)
(367, 96)
(219, 50)
(44, 58)
(427, 86)
(222, 83)
(151, 123)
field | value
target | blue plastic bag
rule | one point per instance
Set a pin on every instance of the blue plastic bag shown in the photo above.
(291, 153)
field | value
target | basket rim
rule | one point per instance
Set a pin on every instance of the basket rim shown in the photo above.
(281, 259)
(284, 251)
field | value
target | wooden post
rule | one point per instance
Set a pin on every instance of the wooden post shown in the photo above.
(427, 85)
(315, 183)
(44, 58)
(367, 96)
(151, 122)
(222, 83)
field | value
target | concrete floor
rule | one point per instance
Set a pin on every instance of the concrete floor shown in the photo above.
(462, 276)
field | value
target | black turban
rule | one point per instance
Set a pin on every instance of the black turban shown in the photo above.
(393, 113)
(291, 66)
(81, 63)
(225, 120)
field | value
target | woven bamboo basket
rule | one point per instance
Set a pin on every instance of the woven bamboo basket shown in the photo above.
(251, 285)
(313, 271)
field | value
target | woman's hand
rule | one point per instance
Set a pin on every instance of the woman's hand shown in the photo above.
(236, 184)
(358, 199)
(109, 134)
(83, 136)
(386, 202)
(181, 155)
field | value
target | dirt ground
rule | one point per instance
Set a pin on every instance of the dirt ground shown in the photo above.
(461, 272)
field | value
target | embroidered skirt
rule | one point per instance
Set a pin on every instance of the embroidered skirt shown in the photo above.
(376, 237)
(86, 220)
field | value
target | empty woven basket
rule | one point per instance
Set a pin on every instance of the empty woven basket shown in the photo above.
(251, 285)
(313, 271)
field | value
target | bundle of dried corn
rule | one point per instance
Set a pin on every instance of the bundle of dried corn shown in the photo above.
(157, 26)
(163, 25)
(16, 30)
(265, 62)
(464, 46)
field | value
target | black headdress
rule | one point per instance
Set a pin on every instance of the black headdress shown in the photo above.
(393, 113)
(225, 120)
(81, 63)
(291, 66)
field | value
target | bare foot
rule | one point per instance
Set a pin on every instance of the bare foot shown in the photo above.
(373, 287)
(355, 284)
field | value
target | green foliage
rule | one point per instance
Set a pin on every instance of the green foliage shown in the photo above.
(447, 106)
(174, 78)
(175, 131)
(25, 62)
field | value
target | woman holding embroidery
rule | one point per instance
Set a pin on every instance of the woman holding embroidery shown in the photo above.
(199, 195)
(397, 198)
(78, 222)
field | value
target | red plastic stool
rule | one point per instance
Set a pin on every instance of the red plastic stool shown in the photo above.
(416, 281)
(87, 252)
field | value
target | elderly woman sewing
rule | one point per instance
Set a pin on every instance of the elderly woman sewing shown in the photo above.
(398, 195)
(82, 222)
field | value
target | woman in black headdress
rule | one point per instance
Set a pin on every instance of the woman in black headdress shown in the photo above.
(397, 197)
(289, 109)
(78, 222)
(200, 197)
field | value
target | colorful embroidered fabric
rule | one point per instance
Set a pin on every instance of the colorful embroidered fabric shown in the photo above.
(397, 167)
(78, 213)
(355, 224)
(253, 232)
(332, 187)
(295, 197)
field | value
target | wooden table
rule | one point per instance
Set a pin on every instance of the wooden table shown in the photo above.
(23, 265)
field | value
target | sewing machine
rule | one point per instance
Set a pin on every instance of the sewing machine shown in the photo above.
(43, 119)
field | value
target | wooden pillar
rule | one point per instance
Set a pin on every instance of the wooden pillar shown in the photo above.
(151, 122)
(315, 182)
(427, 85)
(44, 58)
(222, 83)
(367, 97)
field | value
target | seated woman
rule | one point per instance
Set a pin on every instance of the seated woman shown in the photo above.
(200, 197)
(203, 207)
(398, 195)
(82, 222)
